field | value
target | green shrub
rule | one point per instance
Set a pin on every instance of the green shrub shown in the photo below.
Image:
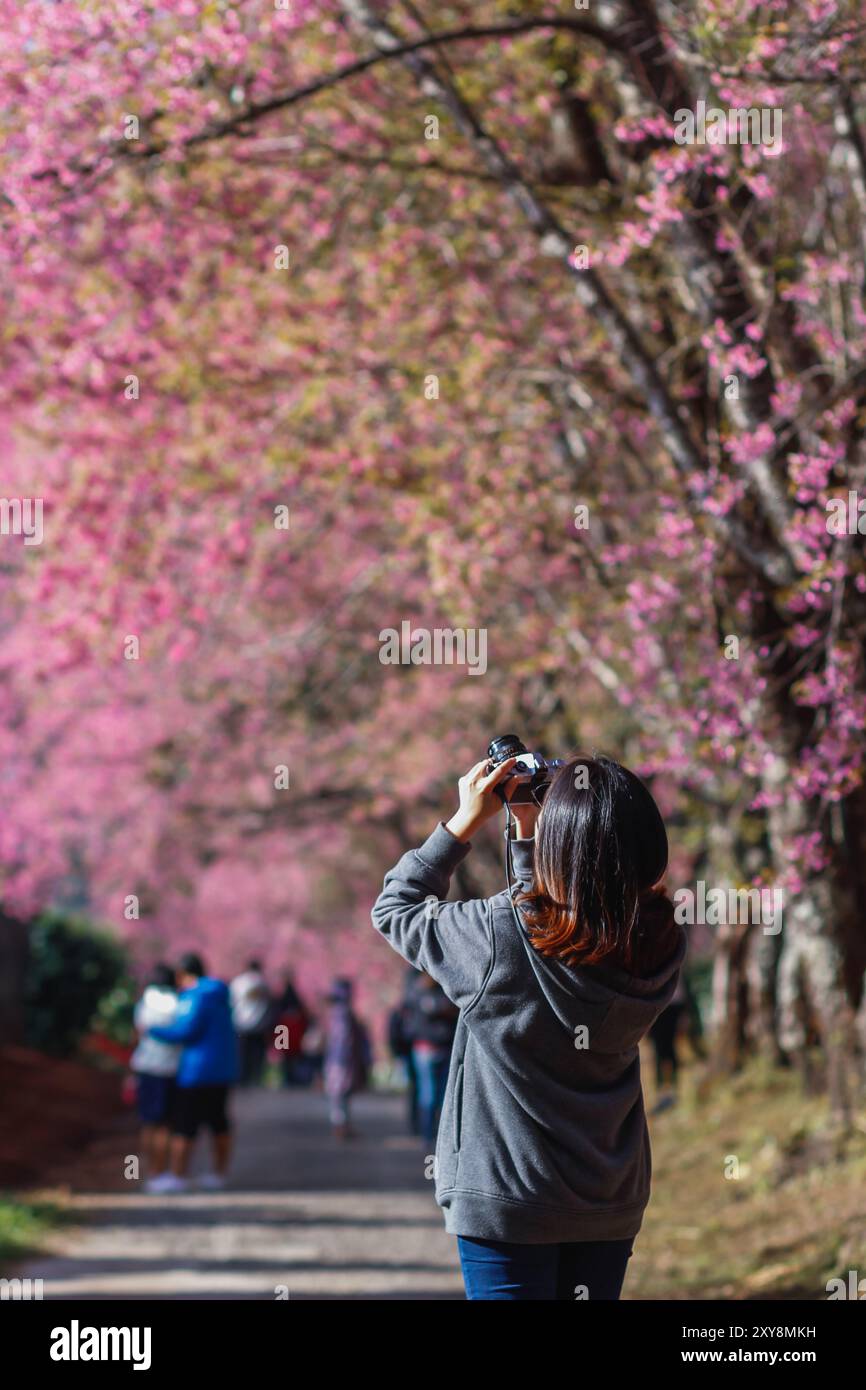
(24, 1225)
(114, 1012)
(72, 967)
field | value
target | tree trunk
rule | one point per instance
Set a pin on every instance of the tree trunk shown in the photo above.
(814, 1006)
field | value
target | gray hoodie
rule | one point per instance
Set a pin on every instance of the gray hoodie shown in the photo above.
(543, 1136)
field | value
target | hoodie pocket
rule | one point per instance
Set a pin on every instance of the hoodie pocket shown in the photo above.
(457, 1109)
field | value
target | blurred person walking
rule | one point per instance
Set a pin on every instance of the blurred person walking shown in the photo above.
(431, 1025)
(400, 1044)
(664, 1036)
(252, 1010)
(154, 1066)
(292, 1022)
(310, 1066)
(208, 1069)
(543, 1158)
(347, 1057)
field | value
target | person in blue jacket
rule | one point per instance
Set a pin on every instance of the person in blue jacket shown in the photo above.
(208, 1068)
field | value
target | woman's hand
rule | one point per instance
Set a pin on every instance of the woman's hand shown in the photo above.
(526, 814)
(478, 801)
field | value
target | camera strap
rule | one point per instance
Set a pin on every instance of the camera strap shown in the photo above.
(510, 827)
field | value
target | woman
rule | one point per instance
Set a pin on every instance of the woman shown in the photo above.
(432, 1024)
(291, 1025)
(664, 1035)
(154, 1065)
(543, 1157)
(347, 1057)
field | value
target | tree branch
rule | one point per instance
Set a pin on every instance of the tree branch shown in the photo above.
(690, 462)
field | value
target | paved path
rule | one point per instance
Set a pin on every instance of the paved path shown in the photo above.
(324, 1220)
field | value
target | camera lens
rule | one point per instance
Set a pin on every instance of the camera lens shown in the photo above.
(505, 746)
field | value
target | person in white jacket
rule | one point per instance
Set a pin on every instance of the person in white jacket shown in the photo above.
(154, 1065)
(252, 1009)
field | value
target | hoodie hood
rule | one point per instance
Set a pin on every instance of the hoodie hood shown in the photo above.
(625, 1002)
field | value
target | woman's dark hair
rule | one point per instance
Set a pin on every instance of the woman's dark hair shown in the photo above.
(162, 975)
(600, 849)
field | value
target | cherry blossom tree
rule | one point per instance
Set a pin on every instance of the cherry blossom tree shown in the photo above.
(326, 317)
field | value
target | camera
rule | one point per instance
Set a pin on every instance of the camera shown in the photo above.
(532, 771)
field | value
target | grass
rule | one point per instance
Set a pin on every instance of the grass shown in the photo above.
(754, 1197)
(24, 1226)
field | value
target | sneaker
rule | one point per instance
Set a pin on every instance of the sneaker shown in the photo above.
(665, 1102)
(166, 1182)
(212, 1182)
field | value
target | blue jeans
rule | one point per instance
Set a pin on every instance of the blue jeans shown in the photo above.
(431, 1070)
(500, 1269)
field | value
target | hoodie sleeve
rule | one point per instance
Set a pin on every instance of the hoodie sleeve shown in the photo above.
(451, 941)
(188, 1026)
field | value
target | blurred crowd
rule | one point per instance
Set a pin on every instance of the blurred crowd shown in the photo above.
(200, 1037)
